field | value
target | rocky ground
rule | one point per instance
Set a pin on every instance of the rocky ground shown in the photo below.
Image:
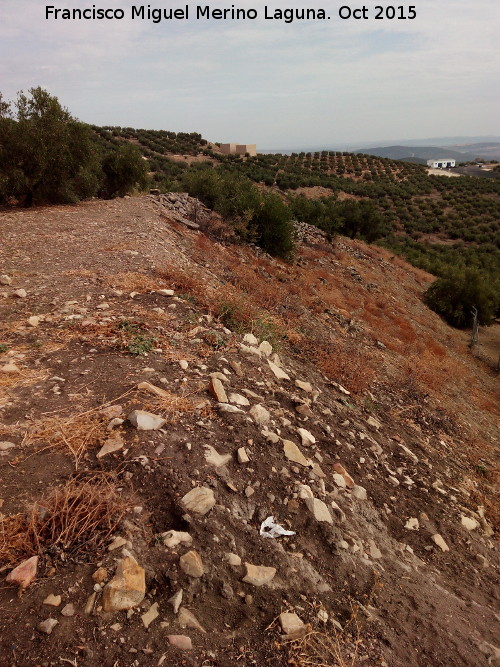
(183, 484)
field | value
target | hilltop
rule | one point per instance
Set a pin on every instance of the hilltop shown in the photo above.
(321, 392)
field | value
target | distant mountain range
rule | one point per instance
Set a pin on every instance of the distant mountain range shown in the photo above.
(460, 148)
(461, 153)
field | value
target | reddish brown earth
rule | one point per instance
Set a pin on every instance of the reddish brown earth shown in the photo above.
(344, 316)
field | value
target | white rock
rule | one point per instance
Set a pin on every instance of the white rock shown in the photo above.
(214, 458)
(371, 421)
(259, 414)
(176, 600)
(339, 480)
(412, 524)
(242, 455)
(305, 386)
(359, 492)
(174, 537)
(20, 293)
(5, 280)
(319, 510)
(229, 409)
(5, 446)
(233, 559)
(183, 364)
(52, 600)
(145, 421)
(10, 368)
(199, 500)
(48, 625)
(258, 575)
(469, 523)
(308, 439)
(266, 348)
(165, 292)
(150, 615)
(250, 339)
(238, 399)
(34, 320)
(293, 453)
(437, 539)
(278, 372)
(152, 389)
(290, 623)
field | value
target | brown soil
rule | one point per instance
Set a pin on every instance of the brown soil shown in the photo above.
(348, 314)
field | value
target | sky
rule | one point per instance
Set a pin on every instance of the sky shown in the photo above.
(306, 83)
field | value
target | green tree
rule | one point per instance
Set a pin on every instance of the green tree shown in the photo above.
(124, 169)
(455, 296)
(274, 226)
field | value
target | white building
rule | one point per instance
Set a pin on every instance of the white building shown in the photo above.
(442, 163)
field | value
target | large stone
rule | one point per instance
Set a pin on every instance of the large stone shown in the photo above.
(305, 386)
(259, 414)
(111, 445)
(181, 642)
(199, 500)
(258, 575)
(23, 574)
(217, 390)
(52, 600)
(238, 399)
(175, 537)
(266, 348)
(339, 469)
(127, 588)
(176, 600)
(191, 564)
(10, 368)
(438, 540)
(293, 453)
(5, 280)
(291, 623)
(307, 438)
(145, 421)
(48, 625)
(213, 457)
(151, 615)
(277, 371)
(319, 510)
(187, 619)
(152, 389)
(250, 339)
(469, 523)
(20, 293)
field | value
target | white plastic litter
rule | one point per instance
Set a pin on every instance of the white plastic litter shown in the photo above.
(269, 528)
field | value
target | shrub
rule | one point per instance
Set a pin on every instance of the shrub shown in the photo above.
(455, 296)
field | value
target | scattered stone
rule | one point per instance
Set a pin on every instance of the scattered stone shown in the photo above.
(151, 615)
(187, 619)
(10, 368)
(111, 412)
(308, 439)
(117, 543)
(412, 524)
(5, 446)
(157, 391)
(277, 371)
(48, 625)
(127, 588)
(374, 550)
(214, 458)
(484, 562)
(250, 339)
(371, 421)
(20, 293)
(339, 469)
(5, 280)
(258, 575)
(266, 348)
(34, 320)
(469, 523)
(270, 436)
(319, 510)
(243, 456)
(174, 537)
(259, 414)
(437, 539)
(191, 564)
(249, 491)
(181, 642)
(236, 366)
(145, 421)
(233, 559)
(100, 575)
(199, 500)
(53, 600)
(291, 624)
(338, 510)
(359, 492)
(111, 445)
(408, 453)
(217, 390)
(89, 605)
(238, 399)
(305, 386)
(293, 453)
(339, 480)
(176, 600)
(102, 306)
(165, 292)
(23, 574)
(231, 409)
(183, 364)
(68, 610)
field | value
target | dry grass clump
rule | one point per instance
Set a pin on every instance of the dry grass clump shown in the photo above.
(77, 433)
(133, 282)
(72, 519)
(26, 378)
(171, 406)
